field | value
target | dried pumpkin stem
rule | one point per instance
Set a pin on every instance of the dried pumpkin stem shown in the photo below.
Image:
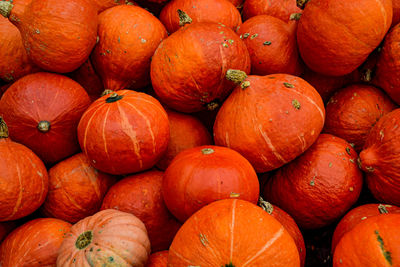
(84, 240)
(207, 151)
(184, 18)
(265, 205)
(44, 126)
(3, 129)
(106, 92)
(114, 97)
(5, 8)
(236, 76)
(382, 209)
(213, 105)
(367, 75)
(295, 16)
(301, 3)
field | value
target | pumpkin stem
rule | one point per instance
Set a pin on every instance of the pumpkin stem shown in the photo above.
(301, 3)
(106, 92)
(366, 75)
(84, 240)
(114, 97)
(382, 209)
(5, 8)
(236, 76)
(265, 205)
(43, 126)
(207, 151)
(212, 105)
(295, 16)
(3, 129)
(183, 18)
(229, 265)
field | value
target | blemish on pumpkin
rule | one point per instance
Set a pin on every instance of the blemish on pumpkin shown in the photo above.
(221, 32)
(351, 189)
(110, 259)
(143, 40)
(351, 160)
(37, 31)
(348, 150)
(312, 182)
(232, 194)
(203, 239)
(230, 41)
(246, 35)
(296, 104)
(97, 39)
(330, 164)
(267, 43)
(225, 45)
(287, 111)
(382, 209)
(288, 85)
(253, 36)
(245, 84)
(386, 254)
(270, 120)
(119, 39)
(381, 134)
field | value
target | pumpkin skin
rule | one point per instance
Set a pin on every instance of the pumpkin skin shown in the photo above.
(188, 72)
(106, 4)
(158, 259)
(222, 11)
(290, 225)
(396, 12)
(357, 215)
(272, 45)
(76, 189)
(354, 110)
(35, 243)
(19, 166)
(270, 122)
(123, 60)
(185, 132)
(42, 111)
(6, 228)
(57, 36)
(93, 241)
(140, 194)
(14, 60)
(334, 38)
(223, 226)
(380, 238)
(379, 159)
(319, 186)
(124, 132)
(281, 9)
(201, 175)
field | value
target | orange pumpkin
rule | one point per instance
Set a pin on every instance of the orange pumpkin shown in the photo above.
(158, 259)
(281, 9)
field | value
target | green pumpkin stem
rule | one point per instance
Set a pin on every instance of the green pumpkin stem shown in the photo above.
(5, 8)
(382, 209)
(3, 129)
(184, 18)
(236, 76)
(229, 265)
(265, 205)
(213, 105)
(44, 126)
(114, 97)
(207, 151)
(295, 16)
(301, 3)
(84, 240)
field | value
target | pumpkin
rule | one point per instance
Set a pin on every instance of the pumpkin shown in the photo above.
(188, 68)
(238, 233)
(122, 55)
(357, 215)
(270, 120)
(281, 9)
(14, 62)
(42, 111)
(76, 189)
(124, 132)
(106, 4)
(387, 67)
(109, 237)
(23, 178)
(178, 13)
(272, 46)
(380, 159)
(396, 12)
(319, 186)
(201, 175)
(158, 259)
(6, 228)
(290, 225)
(140, 194)
(335, 38)
(352, 111)
(185, 132)
(373, 242)
(34, 244)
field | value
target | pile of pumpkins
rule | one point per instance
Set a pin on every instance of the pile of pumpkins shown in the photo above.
(198, 132)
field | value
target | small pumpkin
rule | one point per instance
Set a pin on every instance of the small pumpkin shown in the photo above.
(158, 259)
(238, 232)
(34, 243)
(281, 9)
(93, 241)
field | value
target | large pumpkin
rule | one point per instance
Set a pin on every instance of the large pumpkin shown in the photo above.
(281, 9)
(334, 38)
(122, 55)
(318, 187)
(23, 178)
(57, 36)
(270, 120)
(372, 243)
(124, 132)
(108, 238)
(158, 259)
(188, 68)
(233, 232)
(140, 194)
(42, 111)
(76, 189)
(34, 244)
(380, 159)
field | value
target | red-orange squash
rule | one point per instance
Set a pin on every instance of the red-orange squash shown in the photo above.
(354, 110)
(34, 244)
(380, 159)
(201, 175)
(178, 13)
(357, 215)
(238, 233)
(372, 243)
(188, 68)
(318, 187)
(23, 178)
(124, 132)
(272, 45)
(270, 120)
(128, 37)
(185, 132)
(58, 36)
(158, 259)
(281, 9)
(109, 237)
(334, 38)
(76, 189)
(140, 194)
(42, 111)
